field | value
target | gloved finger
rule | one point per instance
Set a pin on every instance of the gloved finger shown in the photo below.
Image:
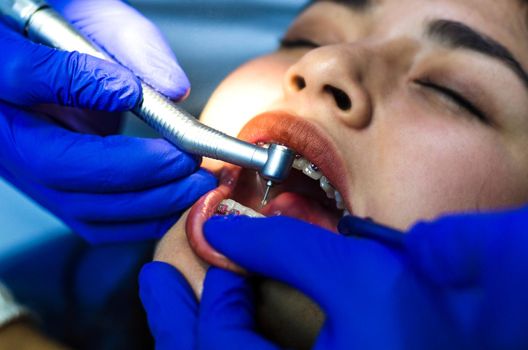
(36, 74)
(69, 161)
(95, 232)
(130, 39)
(118, 232)
(284, 249)
(455, 250)
(226, 318)
(162, 201)
(133, 229)
(170, 305)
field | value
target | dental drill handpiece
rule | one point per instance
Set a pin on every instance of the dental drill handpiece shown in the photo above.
(38, 21)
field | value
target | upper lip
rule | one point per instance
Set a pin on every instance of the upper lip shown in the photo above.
(303, 136)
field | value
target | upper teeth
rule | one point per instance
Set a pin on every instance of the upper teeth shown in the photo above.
(327, 187)
(340, 202)
(312, 171)
(309, 169)
(300, 163)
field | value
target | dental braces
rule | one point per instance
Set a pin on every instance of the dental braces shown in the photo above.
(230, 207)
(312, 171)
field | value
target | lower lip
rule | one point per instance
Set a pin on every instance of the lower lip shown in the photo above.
(201, 211)
(290, 204)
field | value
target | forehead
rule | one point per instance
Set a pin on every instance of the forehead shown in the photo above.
(503, 20)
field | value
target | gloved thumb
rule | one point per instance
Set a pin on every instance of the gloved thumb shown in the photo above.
(299, 254)
(36, 74)
(457, 251)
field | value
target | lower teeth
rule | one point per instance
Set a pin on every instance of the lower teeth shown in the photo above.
(230, 207)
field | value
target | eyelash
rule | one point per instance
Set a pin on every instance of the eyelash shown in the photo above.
(298, 43)
(456, 98)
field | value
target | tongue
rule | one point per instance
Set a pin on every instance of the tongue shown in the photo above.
(303, 208)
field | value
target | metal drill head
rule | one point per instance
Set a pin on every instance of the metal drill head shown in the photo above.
(279, 163)
(264, 201)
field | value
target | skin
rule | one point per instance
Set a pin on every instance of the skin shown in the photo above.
(23, 335)
(411, 153)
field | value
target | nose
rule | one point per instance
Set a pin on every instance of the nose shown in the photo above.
(328, 81)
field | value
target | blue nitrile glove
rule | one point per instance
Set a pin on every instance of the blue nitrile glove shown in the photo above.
(172, 308)
(479, 263)
(106, 188)
(359, 284)
(130, 39)
(223, 320)
(460, 283)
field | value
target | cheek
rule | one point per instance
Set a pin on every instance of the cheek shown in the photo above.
(430, 168)
(248, 91)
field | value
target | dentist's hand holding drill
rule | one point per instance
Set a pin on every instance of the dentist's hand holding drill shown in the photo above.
(107, 188)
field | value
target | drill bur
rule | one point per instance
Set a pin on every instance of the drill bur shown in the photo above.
(264, 201)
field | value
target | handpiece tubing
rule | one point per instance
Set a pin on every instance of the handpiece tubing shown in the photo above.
(171, 121)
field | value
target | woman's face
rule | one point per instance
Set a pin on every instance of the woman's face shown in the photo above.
(411, 108)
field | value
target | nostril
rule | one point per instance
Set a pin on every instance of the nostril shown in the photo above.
(298, 82)
(341, 99)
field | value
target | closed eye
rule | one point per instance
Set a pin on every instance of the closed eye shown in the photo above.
(456, 97)
(298, 43)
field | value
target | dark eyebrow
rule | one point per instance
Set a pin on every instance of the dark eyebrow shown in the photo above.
(459, 35)
(356, 4)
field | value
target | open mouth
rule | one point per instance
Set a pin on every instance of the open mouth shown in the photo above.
(314, 192)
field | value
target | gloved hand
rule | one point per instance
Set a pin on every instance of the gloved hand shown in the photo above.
(106, 188)
(130, 39)
(459, 283)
